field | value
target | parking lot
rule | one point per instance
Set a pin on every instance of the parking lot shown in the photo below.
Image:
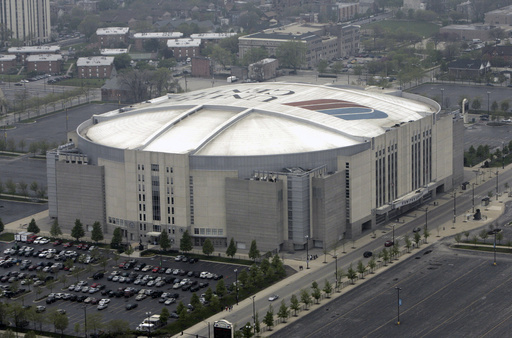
(135, 286)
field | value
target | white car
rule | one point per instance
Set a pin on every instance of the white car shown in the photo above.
(273, 298)
(36, 241)
(44, 241)
(140, 296)
(104, 301)
(170, 301)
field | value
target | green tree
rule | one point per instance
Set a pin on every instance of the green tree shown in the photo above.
(327, 288)
(504, 105)
(165, 242)
(385, 255)
(458, 238)
(361, 268)
(23, 188)
(208, 247)
(117, 238)
(34, 186)
(11, 187)
(305, 298)
(483, 234)
(417, 239)
(294, 304)
(122, 61)
(499, 236)
(186, 242)
(426, 234)
(220, 289)
(494, 106)
(291, 54)
(322, 66)
(55, 229)
(269, 318)
(283, 312)
(372, 264)
(78, 230)
(32, 227)
(246, 330)
(60, 322)
(351, 273)
(231, 250)
(221, 56)
(33, 148)
(254, 253)
(476, 104)
(97, 232)
(408, 242)
(254, 55)
(257, 327)
(316, 293)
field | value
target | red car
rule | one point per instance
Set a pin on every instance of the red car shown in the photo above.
(156, 269)
(68, 245)
(388, 244)
(121, 265)
(57, 242)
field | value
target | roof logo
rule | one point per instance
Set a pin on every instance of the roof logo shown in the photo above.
(341, 109)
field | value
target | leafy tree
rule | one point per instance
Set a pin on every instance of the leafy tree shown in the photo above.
(458, 238)
(122, 61)
(505, 105)
(23, 188)
(78, 230)
(118, 327)
(165, 242)
(32, 227)
(186, 242)
(385, 255)
(220, 289)
(322, 66)
(269, 318)
(257, 327)
(361, 268)
(426, 234)
(283, 312)
(221, 56)
(97, 232)
(254, 55)
(243, 277)
(483, 234)
(417, 239)
(294, 304)
(55, 229)
(60, 322)
(316, 293)
(372, 264)
(33, 148)
(408, 242)
(351, 274)
(291, 54)
(253, 251)
(246, 330)
(339, 277)
(494, 106)
(474, 240)
(231, 250)
(208, 247)
(117, 238)
(11, 187)
(327, 288)
(305, 298)
(499, 237)
(194, 301)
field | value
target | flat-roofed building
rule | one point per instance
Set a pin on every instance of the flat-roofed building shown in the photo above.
(98, 67)
(262, 70)
(212, 37)
(44, 63)
(113, 51)
(468, 32)
(322, 41)
(27, 20)
(7, 63)
(140, 38)
(23, 52)
(346, 11)
(184, 48)
(112, 36)
(500, 16)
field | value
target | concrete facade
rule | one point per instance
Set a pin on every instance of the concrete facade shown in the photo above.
(28, 20)
(277, 194)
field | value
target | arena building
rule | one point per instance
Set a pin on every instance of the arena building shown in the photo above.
(280, 163)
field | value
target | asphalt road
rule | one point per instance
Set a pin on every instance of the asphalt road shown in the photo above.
(447, 293)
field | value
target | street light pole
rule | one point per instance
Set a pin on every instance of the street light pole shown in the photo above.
(85, 320)
(336, 273)
(442, 97)
(148, 314)
(497, 172)
(394, 234)
(454, 207)
(307, 252)
(473, 184)
(398, 305)
(495, 231)
(236, 285)
(488, 101)
(426, 218)
(254, 315)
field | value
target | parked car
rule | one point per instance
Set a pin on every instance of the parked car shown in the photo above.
(387, 244)
(367, 254)
(273, 298)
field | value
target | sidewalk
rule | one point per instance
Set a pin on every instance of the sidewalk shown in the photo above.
(448, 229)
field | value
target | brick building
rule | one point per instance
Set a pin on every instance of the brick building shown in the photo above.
(201, 66)
(23, 52)
(140, 38)
(97, 67)
(184, 48)
(44, 63)
(112, 36)
(7, 62)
